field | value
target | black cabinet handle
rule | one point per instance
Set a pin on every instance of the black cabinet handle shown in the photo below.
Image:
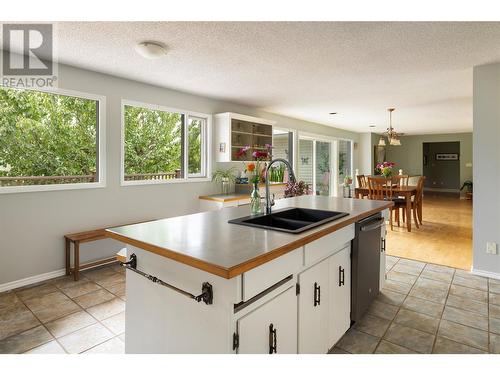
(317, 294)
(341, 276)
(383, 245)
(273, 339)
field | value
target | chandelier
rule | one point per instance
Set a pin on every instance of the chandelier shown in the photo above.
(391, 134)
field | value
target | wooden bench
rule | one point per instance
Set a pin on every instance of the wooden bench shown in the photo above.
(78, 238)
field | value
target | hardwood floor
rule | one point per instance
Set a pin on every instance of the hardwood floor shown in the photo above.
(444, 238)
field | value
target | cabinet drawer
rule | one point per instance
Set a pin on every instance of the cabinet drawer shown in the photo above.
(328, 245)
(262, 277)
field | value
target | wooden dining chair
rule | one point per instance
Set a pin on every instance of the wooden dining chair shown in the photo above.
(362, 182)
(416, 204)
(380, 188)
(398, 181)
(401, 180)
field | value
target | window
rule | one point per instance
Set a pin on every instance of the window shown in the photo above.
(49, 139)
(162, 145)
(345, 160)
(283, 144)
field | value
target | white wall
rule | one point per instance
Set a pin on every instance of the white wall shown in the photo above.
(32, 225)
(365, 153)
(486, 150)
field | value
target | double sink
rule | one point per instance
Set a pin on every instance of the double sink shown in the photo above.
(290, 220)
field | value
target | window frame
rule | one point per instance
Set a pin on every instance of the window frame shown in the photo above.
(206, 141)
(100, 145)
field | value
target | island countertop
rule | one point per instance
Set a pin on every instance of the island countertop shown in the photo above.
(208, 242)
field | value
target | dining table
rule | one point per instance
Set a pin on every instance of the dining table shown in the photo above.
(397, 191)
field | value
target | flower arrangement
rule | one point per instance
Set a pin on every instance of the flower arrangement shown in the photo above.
(296, 189)
(255, 169)
(385, 168)
(347, 180)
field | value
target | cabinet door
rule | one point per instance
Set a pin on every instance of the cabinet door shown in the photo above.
(271, 328)
(382, 258)
(313, 309)
(340, 295)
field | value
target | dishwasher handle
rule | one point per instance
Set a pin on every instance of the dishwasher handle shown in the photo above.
(373, 225)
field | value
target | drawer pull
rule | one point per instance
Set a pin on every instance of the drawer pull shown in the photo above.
(317, 294)
(341, 276)
(206, 295)
(273, 339)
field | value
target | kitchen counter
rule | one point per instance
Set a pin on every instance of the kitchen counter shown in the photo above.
(208, 242)
(225, 197)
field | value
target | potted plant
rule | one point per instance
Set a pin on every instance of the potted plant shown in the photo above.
(225, 177)
(467, 185)
(296, 189)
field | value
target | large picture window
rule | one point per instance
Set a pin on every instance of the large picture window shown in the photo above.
(49, 139)
(162, 145)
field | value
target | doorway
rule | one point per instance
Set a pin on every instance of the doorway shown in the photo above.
(441, 166)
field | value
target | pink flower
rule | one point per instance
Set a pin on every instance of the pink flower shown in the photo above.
(242, 151)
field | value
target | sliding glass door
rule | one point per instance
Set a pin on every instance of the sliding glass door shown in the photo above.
(306, 162)
(322, 168)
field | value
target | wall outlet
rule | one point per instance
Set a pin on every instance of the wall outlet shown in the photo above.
(491, 247)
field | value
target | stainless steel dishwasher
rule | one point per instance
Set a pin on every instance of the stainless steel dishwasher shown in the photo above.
(365, 264)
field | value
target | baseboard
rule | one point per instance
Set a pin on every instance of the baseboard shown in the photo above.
(31, 280)
(491, 275)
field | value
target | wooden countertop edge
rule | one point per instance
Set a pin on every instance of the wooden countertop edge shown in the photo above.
(229, 273)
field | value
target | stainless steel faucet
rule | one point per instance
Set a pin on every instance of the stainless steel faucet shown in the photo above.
(291, 177)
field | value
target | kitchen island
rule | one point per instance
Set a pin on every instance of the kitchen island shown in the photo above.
(227, 288)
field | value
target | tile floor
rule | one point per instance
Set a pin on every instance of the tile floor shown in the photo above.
(63, 316)
(426, 308)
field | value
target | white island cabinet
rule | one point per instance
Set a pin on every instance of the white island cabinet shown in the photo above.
(198, 284)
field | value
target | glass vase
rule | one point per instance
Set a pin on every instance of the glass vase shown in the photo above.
(255, 207)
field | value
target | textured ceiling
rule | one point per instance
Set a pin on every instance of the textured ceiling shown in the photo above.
(305, 69)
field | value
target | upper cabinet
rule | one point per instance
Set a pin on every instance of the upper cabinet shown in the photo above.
(234, 131)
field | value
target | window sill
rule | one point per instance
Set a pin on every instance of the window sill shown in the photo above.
(53, 187)
(165, 182)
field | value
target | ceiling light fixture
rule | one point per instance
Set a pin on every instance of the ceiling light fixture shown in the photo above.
(151, 50)
(391, 134)
(333, 113)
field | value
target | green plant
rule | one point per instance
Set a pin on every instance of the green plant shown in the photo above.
(224, 175)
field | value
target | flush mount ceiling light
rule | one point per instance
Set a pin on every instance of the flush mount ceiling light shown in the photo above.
(333, 113)
(151, 50)
(391, 134)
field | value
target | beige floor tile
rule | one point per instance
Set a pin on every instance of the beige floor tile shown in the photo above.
(81, 289)
(401, 277)
(390, 297)
(115, 323)
(417, 320)
(495, 325)
(467, 304)
(386, 347)
(25, 340)
(445, 346)
(481, 283)
(467, 318)
(410, 338)
(397, 287)
(494, 311)
(98, 274)
(117, 268)
(412, 263)
(436, 275)
(70, 323)
(117, 289)
(36, 291)
(85, 338)
(51, 306)
(494, 288)
(111, 280)
(391, 258)
(430, 290)
(113, 346)
(372, 325)
(94, 298)
(463, 334)
(69, 282)
(52, 347)
(122, 337)
(337, 350)
(402, 268)
(16, 319)
(423, 306)
(440, 269)
(107, 309)
(357, 342)
(383, 310)
(494, 343)
(475, 294)
(495, 298)
(8, 299)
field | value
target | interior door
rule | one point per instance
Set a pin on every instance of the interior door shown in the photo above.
(313, 309)
(267, 330)
(340, 295)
